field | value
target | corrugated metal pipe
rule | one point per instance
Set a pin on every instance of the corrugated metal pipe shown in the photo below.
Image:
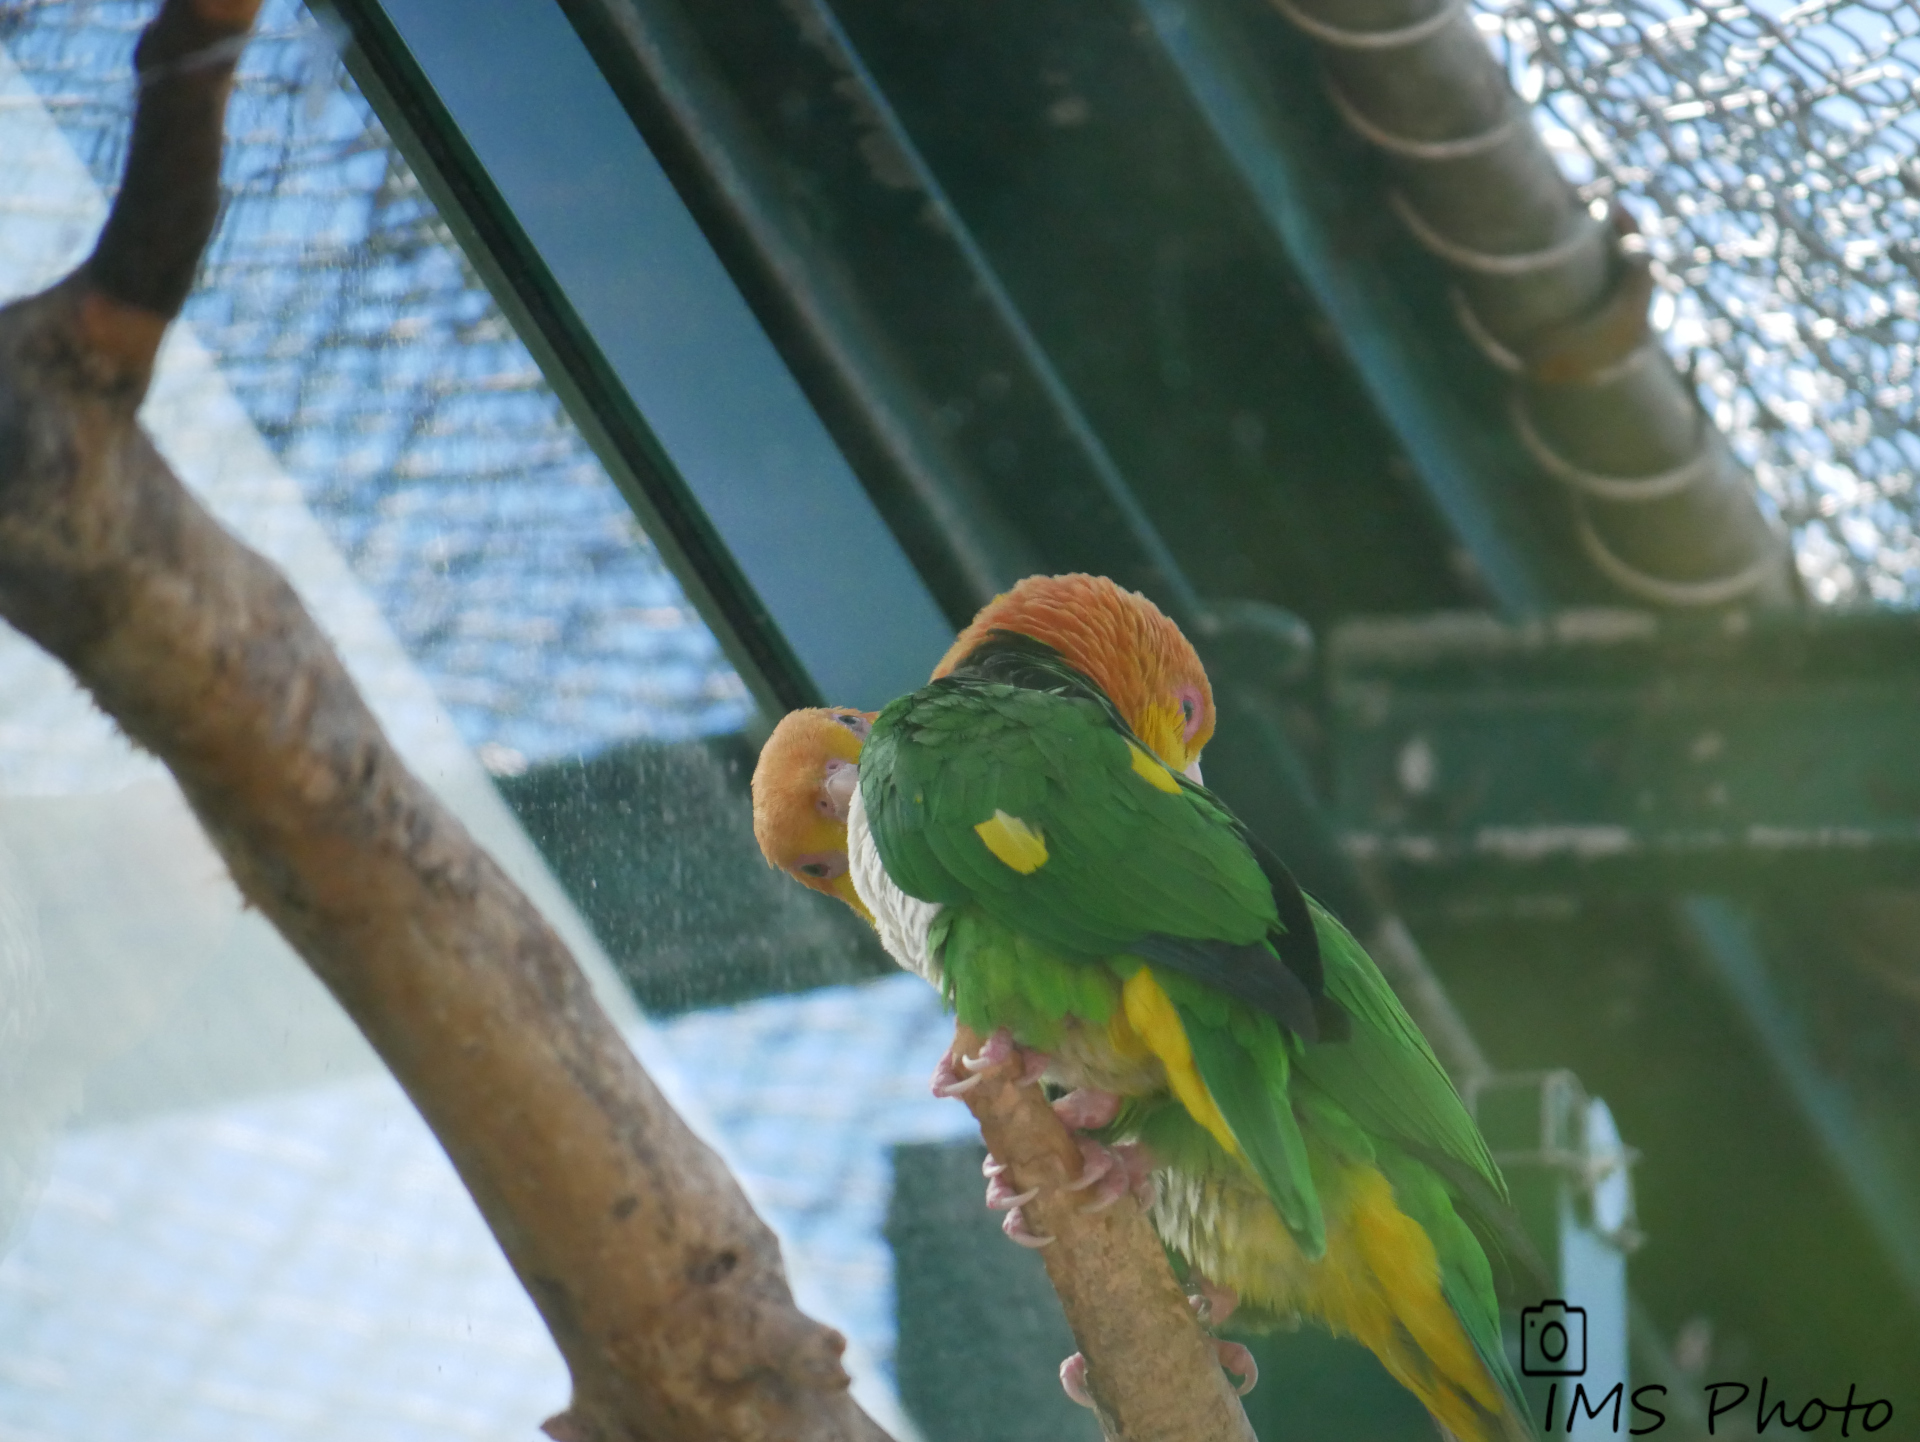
(1557, 299)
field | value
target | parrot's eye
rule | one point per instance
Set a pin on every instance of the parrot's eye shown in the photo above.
(820, 866)
(1190, 711)
(858, 725)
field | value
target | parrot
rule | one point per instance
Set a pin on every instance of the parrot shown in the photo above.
(1030, 832)
(803, 785)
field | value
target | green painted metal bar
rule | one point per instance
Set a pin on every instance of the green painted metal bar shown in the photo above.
(1770, 755)
(1294, 160)
(662, 362)
(834, 327)
(1623, 749)
(1871, 1153)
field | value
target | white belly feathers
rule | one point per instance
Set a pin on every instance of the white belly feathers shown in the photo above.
(901, 920)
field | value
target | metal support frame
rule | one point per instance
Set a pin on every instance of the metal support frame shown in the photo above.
(1872, 1151)
(1569, 1175)
(661, 363)
(1296, 164)
(1626, 750)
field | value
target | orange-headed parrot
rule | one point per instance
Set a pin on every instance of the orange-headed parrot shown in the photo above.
(1030, 834)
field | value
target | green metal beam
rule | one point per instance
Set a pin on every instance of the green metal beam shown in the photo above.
(1870, 1147)
(1624, 749)
(1767, 755)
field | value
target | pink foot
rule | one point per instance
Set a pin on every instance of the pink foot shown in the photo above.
(1109, 1173)
(956, 1076)
(1085, 1109)
(1237, 1360)
(1239, 1364)
(1073, 1380)
(1211, 1302)
(1003, 1198)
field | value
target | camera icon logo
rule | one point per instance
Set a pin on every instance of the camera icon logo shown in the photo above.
(1553, 1340)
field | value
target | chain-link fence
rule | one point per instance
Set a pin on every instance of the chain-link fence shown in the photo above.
(374, 362)
(1771, 155)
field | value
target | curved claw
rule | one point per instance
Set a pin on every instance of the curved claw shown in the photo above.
(958, 1075)
(1003, 1198)
(1015, 1226)
(1113, 1172)
(1096, 1162)
(1239, 1364)
(1211, 1302)
(1104, 1198)
(998, 1048)
(947, 1080)
(1104, 1169)
(1073, 1380)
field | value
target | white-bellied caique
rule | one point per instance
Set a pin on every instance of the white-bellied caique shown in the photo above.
(1029, 833)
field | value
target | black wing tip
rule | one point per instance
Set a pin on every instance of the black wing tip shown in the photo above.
(1331, 1020)
(1247, 972)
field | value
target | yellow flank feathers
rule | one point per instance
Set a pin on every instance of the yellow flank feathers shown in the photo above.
(1378, 1283)
(1157, 776)
(1153, 1015)
(1389, 1299)
(1014, 842)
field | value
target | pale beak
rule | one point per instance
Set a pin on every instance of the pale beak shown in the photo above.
(841, 781)
(1192, 773)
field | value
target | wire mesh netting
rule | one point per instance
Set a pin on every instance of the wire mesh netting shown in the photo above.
(372, 359)
(1771, 155)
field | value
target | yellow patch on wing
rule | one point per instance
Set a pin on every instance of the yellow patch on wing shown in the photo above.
(1152, 1014)
(1017, 844)
(1157, 776)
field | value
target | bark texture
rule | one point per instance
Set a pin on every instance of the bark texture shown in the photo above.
(1150, 1368)
(663, 1290)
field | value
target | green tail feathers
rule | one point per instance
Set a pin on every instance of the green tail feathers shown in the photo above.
(1247, 1075)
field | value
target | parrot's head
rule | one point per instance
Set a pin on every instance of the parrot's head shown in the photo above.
(1123, 643)
(802, 786)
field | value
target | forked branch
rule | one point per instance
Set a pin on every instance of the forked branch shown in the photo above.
(663, 1290)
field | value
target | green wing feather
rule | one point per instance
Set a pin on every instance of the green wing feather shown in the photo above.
(1126, 861)
(1386, 1080)
(1125, 858)
(1385, 1075)
(1466, 1278)
(1243, 1059)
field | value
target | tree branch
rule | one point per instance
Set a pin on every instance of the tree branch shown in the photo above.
(1150, 1368)
(663, 1290)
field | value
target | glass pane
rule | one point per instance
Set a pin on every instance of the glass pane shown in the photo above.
(218, 1215)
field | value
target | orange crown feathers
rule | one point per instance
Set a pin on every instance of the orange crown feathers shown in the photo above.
(1125, 643)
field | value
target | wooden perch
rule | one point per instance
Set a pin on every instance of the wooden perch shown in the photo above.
(1150, 1369)
(663, 1290)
